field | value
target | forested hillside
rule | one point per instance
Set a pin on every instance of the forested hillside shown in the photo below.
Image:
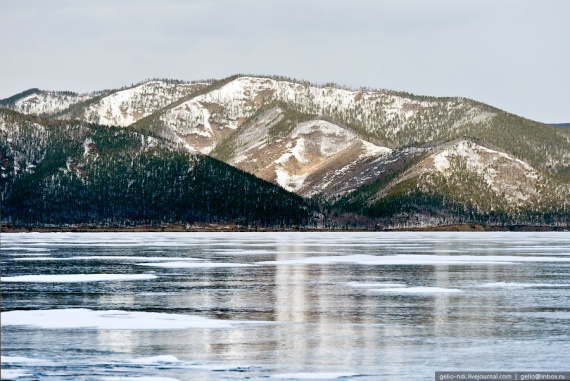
(56, 173)
(361, 158)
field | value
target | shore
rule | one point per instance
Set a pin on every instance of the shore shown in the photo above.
(235, 228)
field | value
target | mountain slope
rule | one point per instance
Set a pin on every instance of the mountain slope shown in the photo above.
(301, 153)
(380, 154)
(57, 173)
(36, 101)
(465, 182)
(126, 106)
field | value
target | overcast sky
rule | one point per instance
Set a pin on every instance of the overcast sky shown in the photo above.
(512, 54)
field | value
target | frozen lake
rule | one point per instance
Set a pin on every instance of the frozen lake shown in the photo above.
(300, 306)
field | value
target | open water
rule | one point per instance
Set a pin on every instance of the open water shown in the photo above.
(300, 306)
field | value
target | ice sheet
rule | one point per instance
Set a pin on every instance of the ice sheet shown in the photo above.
(113, 319)
(12, 374)
(25, 361)
(415, 260)
(155, 360)
(312, 376)
(372, 285)
(74, 278)
(418, 290)
(522, 285)
(109, 257)
(137, 378)
(24, 249)
(180, 264)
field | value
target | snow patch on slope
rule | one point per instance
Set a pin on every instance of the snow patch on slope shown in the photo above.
(48, 102)
(497, 168)
(125, 107)
(242, 97)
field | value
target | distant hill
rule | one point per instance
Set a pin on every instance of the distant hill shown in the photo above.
(561, 124)
(365, 156)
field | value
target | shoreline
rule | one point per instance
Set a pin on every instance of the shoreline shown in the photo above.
(209, 228)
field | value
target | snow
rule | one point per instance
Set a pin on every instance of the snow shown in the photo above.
(415, 260)
(418, 290)
(312, 376)
(291, 183)
(125, 107)
(47, 102)
(241, 98)
(312, 143)
(76, 278)
(112, 319)
(180, 264)
(491, 165)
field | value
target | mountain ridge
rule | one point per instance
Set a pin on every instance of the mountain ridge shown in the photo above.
(351, 151)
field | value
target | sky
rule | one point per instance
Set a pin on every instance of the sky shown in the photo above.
(511, 54)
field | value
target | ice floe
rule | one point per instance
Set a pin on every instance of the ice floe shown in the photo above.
(180, 264)
(312, 376)
(418, 259)
(75, 278)
(113, 319)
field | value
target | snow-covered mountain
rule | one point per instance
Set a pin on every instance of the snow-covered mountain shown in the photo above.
(354, 148)
(125, 107)
(36, 102)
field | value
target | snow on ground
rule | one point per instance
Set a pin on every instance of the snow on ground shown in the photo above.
(72, 318)
(290, 182)
(491, 165)
(415, 260)
(47, 102)
(75, 278)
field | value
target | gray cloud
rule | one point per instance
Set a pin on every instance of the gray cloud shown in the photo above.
(510, 53)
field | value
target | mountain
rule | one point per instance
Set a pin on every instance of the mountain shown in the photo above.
(56, 173)
(36, 101)
(358, 155)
